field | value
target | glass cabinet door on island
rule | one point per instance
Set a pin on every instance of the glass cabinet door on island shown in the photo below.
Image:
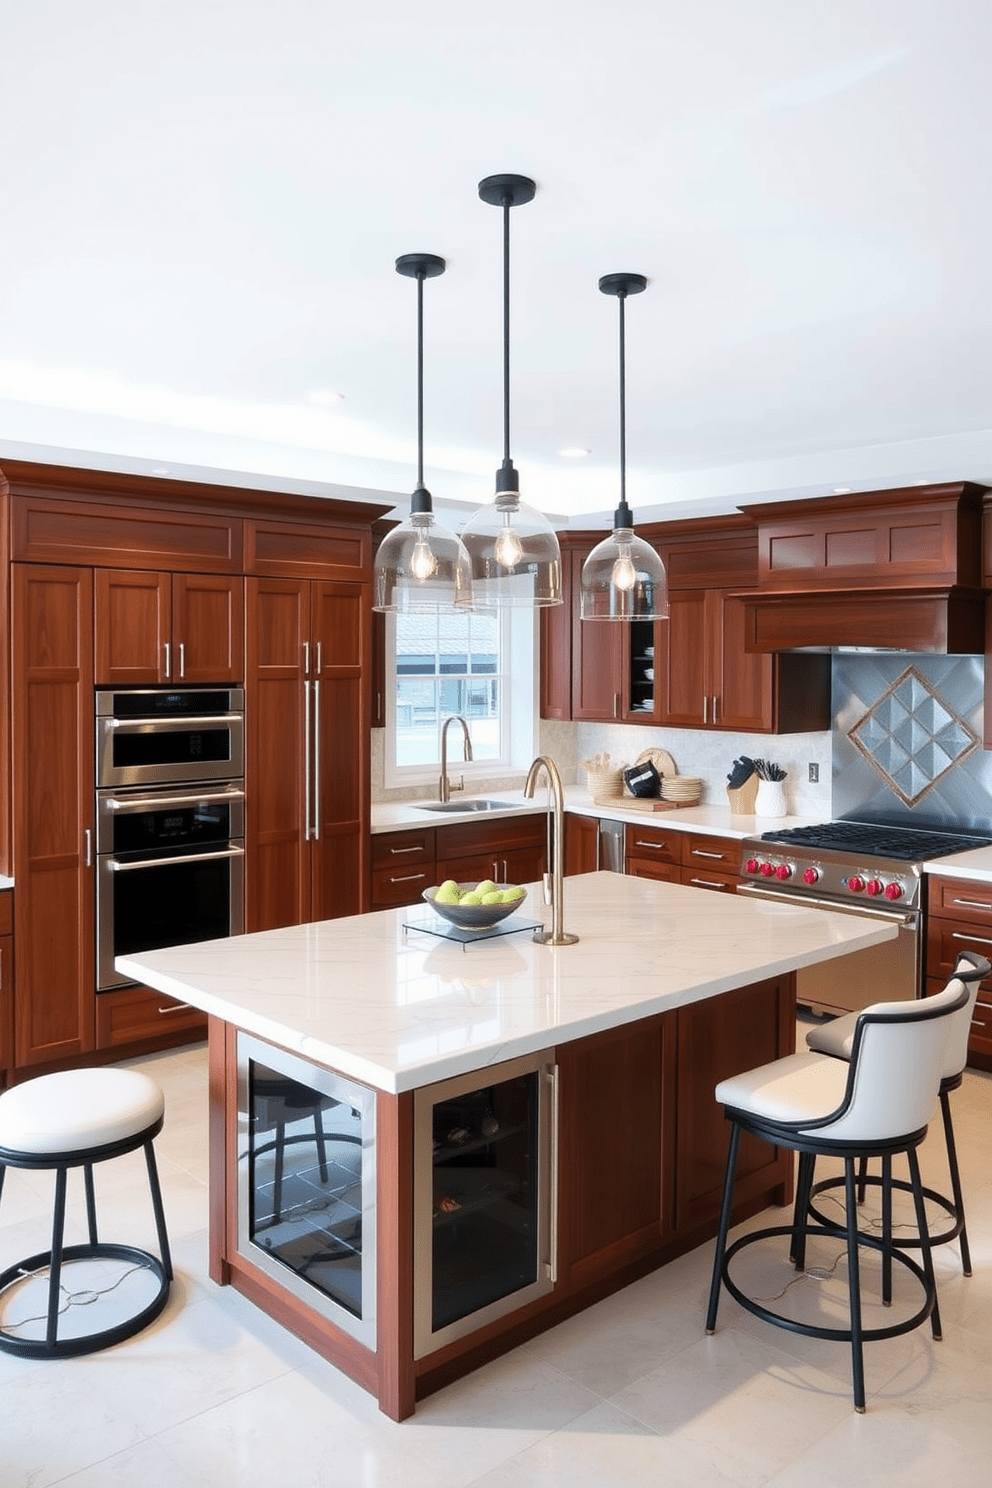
(484, 1197)
(306, 1183)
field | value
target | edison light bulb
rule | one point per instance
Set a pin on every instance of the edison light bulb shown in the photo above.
(423, 564)
(509, 549)
(624, 574)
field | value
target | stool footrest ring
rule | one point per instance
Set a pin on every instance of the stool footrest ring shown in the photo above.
(87, 1343)
(909, 1242)
(813, 1330)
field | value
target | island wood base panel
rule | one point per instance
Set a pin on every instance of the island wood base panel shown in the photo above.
(642, 1150)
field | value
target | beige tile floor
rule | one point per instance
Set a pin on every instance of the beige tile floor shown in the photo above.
(631, 1392)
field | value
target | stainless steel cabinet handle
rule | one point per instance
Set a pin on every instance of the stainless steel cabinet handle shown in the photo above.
(320, 658)
(185, 861)
(706, 883)
(714, 707)
(973, 904)
(616, 705)
(971, 939)
(406, 877)
(182, 661)
(316, 758)
(177, 1007)
(306, 759)
(706, 704)
(551, 1264)
(306, 657)
(397, 851)
(699, 852)
(168, 659)
(87, 848)
(655, 846)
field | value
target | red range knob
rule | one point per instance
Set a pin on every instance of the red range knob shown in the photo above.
(893, 891)
(783, 871)
(811, 875)
(767, 870)
(873, 886)
(752, 865)
(855, 884)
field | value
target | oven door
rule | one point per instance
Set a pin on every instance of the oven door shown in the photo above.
(170, 871)
(891, 972)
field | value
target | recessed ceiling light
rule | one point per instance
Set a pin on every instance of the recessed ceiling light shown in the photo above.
(574, 453)
(324, 397)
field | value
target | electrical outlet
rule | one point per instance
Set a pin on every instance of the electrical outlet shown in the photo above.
(814, 772)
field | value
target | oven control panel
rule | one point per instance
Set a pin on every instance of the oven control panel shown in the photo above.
(830, 875)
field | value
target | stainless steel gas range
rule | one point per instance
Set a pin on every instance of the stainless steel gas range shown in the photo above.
(855, 867)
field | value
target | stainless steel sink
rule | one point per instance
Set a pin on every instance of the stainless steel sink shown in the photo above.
(455, 806)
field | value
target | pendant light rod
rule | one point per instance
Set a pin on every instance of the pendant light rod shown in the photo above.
(507, 191)
(622, 285)
(420, 266)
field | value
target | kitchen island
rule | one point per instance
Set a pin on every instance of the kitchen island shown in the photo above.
(562, 1098)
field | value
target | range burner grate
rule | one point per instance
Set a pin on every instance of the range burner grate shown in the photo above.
(906, 843)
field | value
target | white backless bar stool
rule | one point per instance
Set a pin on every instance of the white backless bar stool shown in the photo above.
(836, 1037)
(76, 1119)
(876, 1105)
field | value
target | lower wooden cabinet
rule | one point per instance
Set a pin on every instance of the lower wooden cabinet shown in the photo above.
(673, 856)
(402, 867)
(508, 850)
(140, 1015)
(960, 919)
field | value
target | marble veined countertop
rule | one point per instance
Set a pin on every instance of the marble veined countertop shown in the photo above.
(397, 1009)
(975, 864)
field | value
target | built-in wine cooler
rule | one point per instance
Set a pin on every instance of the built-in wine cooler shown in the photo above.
(484, 1200)
(306, 1183)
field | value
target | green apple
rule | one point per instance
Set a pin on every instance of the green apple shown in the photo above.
(447, 893)
(472, 898)
(486, 887)
(493, 897)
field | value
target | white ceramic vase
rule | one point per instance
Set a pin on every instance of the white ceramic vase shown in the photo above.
(770, 799)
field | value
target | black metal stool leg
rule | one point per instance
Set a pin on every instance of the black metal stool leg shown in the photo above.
(854, 1288)
(158, 1207)
(926, 1253)
(724, 1227)
(955, 1172)
(319, 1138)
(862, 1178)
(887, 1230)
(55, 1259)
(90, 1202)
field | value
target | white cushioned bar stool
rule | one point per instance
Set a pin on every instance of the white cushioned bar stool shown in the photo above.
(877, 1104)
(836, 1037)
(76, 1119)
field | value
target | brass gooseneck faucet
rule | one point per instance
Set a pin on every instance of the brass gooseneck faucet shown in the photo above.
(444, 786)
(554, 882)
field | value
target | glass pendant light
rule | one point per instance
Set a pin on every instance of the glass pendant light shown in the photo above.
(512, 548)
(623, 578)
(421, 566)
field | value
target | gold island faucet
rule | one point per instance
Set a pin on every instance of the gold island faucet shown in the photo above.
(444, 786)
(554, 883)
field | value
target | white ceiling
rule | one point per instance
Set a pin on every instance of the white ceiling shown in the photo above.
(203, 199)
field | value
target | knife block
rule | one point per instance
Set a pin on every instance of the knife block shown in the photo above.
(742, 797)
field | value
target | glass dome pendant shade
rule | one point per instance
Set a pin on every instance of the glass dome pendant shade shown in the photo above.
(421, 566)
(623, 577)
(513, 550)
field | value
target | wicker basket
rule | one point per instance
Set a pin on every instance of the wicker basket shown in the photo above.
(605, 783)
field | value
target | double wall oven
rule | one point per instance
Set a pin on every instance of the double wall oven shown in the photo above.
(170, 820)
(857, 867)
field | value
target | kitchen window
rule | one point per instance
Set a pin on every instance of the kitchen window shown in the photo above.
(479, 664)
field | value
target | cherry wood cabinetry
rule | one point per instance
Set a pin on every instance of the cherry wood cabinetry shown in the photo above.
(403, 865)
(698, 860)
(960, 919)
(139, 1015)
(508, 850)
(159, 627)
(706, 675)
(307, 724)
(6, 983)
(581, 844)
(52, 675)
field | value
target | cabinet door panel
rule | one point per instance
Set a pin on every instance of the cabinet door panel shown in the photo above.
(680, 669)
(278, 871)
(743, 681)
(341, 766)
(133, 625)
(52, 652)
(208, 628)
(596, 671)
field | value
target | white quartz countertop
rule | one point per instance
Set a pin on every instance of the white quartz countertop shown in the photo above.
(5, 882)
(397, 1009)
(715, 820)
(976, 864)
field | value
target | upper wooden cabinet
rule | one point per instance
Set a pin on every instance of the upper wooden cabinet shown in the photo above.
(159, 627)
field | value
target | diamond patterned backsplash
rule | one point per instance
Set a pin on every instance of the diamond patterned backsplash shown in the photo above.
(912, 737)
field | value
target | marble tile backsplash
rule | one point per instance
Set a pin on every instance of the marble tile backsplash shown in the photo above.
(696, 752)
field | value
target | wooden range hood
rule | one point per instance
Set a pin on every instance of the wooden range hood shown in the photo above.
(897, 570)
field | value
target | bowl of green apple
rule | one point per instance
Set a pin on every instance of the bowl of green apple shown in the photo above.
(475, 906)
